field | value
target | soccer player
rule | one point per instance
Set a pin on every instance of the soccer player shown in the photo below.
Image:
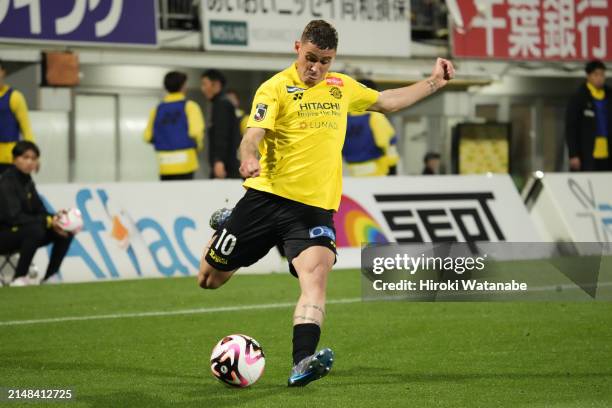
(298, 124)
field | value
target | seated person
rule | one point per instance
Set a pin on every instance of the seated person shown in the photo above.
(25, 224)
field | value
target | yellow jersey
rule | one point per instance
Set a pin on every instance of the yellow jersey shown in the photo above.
(301, 153)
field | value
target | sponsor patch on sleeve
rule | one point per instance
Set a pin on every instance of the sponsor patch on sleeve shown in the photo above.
(260, 112)
(334, 81)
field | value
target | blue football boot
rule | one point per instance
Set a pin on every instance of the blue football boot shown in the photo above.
(219, 218)
(311, 368)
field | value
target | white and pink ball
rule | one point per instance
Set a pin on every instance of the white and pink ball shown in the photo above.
(238, 360)
(70, 220)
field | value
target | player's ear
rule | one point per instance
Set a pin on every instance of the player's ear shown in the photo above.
(297, 46)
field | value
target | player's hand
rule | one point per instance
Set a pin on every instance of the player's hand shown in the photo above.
(442, 72)
(219, 170)
(574, 163)
(250, 167)
(56, 227)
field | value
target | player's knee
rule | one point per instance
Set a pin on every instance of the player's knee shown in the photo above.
(207, 282)
(209, 277)
(314, 265)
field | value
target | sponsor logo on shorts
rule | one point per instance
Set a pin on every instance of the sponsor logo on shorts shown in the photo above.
(322, 231)
(217, 258)
(334, 81)
(260, 112)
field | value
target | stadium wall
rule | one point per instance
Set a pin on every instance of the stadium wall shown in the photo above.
(571, 207)
(137, 230)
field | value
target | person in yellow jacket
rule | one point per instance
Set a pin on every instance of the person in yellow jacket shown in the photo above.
(14, 121)
(370, 147)
(176, 130)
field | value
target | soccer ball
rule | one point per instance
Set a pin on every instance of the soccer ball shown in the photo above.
(70, 220)
(237, 360)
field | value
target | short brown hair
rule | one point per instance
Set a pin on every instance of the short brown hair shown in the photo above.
(322, 34)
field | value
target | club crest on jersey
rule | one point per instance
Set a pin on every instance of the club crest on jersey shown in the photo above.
(260, 112)
(292, 89)
(335, 92)
(334, 81)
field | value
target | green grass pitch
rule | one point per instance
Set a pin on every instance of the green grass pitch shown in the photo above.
(387, 353)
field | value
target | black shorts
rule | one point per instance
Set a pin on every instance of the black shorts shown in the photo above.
(261, 221)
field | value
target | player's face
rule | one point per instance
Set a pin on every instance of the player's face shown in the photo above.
(27, 162)
(313, 62)
(597, 78)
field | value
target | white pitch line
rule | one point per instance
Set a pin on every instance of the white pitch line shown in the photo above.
(252, 307)
(167, 313)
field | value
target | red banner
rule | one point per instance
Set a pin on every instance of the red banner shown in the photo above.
(558, 30)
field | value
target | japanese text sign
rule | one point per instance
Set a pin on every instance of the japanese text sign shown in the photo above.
(79, 21)
(365, 27)
(533, 29)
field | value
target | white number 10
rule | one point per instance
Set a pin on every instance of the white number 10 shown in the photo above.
(227, 243)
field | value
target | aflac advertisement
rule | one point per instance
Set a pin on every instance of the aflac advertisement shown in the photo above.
(134, 230)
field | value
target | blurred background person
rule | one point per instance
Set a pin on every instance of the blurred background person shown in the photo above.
(431, 162)
(223, 127)
(25, 224)
(243, 118)
(588, 122)
(176, 130)
(370, 146)
(14, 121)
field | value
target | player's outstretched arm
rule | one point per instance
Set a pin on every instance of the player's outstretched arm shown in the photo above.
(249, 163)
(393, 100)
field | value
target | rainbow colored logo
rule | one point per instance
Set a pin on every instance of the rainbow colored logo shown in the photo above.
(354, 225)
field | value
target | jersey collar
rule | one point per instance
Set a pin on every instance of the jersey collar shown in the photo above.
(598, 94)
(295, 77)
(174, 97)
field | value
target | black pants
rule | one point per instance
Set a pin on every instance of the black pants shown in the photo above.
(172, 177)
(27, 239)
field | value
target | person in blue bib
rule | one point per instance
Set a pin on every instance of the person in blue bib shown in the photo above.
(588, 122)
(14, 121)
(370, 146)
(176, 130)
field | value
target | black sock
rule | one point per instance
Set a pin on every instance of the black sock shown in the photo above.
(305, 340)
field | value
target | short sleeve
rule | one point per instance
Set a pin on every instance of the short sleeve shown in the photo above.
(265, 107)
(362, 97)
